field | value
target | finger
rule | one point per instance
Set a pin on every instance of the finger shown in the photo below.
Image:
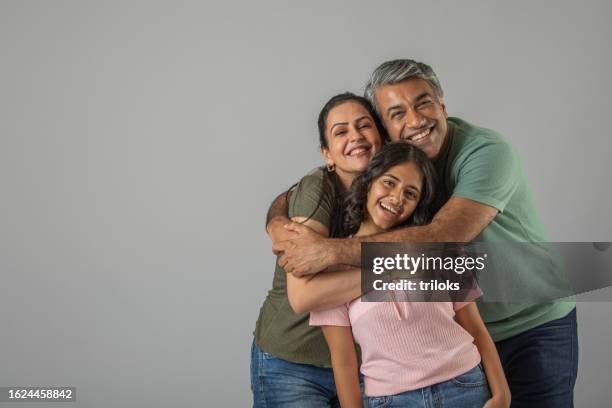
(279, 246)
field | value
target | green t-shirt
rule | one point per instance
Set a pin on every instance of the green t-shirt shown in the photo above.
(480, 165)
(279, 331)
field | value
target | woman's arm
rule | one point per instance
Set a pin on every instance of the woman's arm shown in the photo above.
(469, 318)
(344, 362)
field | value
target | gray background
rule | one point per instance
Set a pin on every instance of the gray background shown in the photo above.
(141, 143)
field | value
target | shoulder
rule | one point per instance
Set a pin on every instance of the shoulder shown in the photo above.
(470, 140)
(310, 198)
(313, 180)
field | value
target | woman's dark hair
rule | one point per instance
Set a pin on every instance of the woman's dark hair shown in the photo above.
(391, 155)
(342, 98)
(331, 183)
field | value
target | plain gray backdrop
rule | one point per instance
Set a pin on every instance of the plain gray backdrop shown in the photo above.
(142, 141)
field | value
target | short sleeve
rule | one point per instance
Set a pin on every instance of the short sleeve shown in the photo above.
(311, 200)
(338, 316)
(489, 174)
(468, 296)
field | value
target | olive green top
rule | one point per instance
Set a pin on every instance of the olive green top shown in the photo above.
(279, 331)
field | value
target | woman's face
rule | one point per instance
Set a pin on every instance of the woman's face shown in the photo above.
(352, 140)
(393, 196)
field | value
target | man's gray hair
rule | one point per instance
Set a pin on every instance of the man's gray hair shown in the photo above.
(392, 72)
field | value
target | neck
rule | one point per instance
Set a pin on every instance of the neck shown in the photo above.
(346, 179)
(368, 227)
(444, 147)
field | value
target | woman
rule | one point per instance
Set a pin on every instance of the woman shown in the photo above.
(290, 362)
(414, 353)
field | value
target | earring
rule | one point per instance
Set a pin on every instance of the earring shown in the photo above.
(331, 167)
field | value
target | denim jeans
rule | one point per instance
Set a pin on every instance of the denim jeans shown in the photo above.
(541, 364)
(467, 390)
(280, 383)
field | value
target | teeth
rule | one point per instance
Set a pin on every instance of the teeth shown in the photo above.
(421, 135)
(388, 208)
(357, 151)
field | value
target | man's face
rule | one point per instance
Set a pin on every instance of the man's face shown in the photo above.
(411, 111)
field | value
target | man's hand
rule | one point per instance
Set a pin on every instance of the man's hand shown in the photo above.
(277, 232)
(306, 254)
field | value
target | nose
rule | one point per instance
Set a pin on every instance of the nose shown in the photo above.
(414, 119)
(355, 135)
(397, 195)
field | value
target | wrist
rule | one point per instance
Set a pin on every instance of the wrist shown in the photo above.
(503, 398)
(340, 250)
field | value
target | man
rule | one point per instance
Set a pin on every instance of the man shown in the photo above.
(489, 200)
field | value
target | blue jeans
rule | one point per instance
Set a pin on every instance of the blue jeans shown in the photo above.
(541, 364)
(468, 390)
(280, 383)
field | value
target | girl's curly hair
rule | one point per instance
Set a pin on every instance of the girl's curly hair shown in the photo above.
(392, 154)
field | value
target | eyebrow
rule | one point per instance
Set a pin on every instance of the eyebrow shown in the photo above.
(391, 175)
(346, 123)
(337, 124)
(421, 96)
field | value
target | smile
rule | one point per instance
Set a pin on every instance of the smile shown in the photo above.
(390, 209)
(358, 151)
(420, 136)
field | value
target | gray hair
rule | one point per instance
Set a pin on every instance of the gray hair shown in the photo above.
(392, 72)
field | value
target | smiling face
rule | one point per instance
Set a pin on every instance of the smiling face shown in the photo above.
(411, 111)
(393, 197)
(352, 139)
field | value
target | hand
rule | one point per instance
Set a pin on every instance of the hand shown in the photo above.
(306, 254)
(497, 402)
(277, 232)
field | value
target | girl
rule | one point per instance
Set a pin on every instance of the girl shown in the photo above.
(414, 354)
(290, 360)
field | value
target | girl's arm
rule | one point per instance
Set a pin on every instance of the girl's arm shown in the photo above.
(324, 290)
(344, 362)
(469, 318)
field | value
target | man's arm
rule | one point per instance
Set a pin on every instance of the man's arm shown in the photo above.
(277, 217)
(459, 220)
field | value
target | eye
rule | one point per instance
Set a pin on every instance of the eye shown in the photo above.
(410, 194)
(388, 183)
(340, 132)
(425, 103)
(364, 126)
(397, 114)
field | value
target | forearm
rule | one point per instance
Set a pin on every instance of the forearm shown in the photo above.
(346, 378)
(278, 209)
(323, 290)
(344, 362)
(348, 250)
(492, 366)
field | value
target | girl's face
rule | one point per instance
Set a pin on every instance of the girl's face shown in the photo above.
(352, 140)
(393, 196)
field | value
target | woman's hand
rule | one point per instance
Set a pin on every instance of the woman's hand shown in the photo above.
(498, 401)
